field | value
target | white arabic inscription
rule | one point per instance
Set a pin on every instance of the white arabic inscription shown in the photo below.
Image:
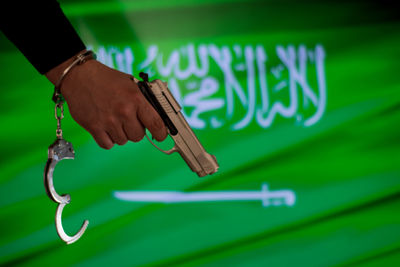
(239, 82)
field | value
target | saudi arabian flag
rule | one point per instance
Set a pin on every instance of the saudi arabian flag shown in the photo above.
(298, 100)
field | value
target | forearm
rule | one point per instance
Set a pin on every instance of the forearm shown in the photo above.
(40, 30)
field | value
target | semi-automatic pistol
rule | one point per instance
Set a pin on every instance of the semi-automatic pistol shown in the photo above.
(186, 142)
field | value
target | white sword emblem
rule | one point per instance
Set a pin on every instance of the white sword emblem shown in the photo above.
(269, 198)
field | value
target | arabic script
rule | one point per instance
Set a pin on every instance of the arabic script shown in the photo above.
(234, 85)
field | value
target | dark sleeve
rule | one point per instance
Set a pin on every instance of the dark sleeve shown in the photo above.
(41, 31)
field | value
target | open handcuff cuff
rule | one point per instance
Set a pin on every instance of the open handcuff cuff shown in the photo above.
(59, 150)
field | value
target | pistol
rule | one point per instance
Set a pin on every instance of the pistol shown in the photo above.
(186, 142)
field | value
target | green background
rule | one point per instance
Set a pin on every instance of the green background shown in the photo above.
(345, 169)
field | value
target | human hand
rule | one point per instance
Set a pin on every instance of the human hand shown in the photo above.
(107, 103)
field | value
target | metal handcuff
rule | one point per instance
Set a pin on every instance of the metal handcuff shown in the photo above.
(59, 150)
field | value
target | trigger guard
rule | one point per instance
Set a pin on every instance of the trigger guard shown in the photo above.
(168, 152)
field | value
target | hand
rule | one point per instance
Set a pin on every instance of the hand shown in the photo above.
(107, 103)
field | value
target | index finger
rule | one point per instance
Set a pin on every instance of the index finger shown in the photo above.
(150, 119)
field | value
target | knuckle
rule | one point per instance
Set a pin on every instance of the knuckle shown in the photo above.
(109, 121)
(125, 111)
(137, 99)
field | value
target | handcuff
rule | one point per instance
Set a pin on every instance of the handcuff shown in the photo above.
(62, 149)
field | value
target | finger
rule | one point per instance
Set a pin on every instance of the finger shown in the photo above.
(117, 135)
(102, 139)
(134, 129)
(114, 129)
(152, 121)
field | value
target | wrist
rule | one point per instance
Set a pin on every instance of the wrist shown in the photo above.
(55, 73)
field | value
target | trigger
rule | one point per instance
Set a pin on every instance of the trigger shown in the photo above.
(168, 152)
